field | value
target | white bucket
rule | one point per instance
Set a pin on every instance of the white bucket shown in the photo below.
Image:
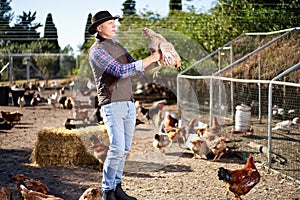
(242, 118)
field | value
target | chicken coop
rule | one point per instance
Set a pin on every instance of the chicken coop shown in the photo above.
(261, 72)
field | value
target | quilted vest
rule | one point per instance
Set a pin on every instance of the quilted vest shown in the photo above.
(111, 88)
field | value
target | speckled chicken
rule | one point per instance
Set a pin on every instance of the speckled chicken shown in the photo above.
(169, 56)
(161, 141)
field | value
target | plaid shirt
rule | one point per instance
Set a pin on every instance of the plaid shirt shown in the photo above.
(101, 58)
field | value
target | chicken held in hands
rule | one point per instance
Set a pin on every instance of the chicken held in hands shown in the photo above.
(169, 56)
(240, 181)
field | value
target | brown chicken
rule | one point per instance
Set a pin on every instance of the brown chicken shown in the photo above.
(99, 149)
(175, 134)
(34, 195)
(219, 148)
(214, 129)
(240, 181)
(91, 193)
(5, 194)
(161, 141)
(216, 144)
(170, 123)
(81, 114)
(69, 103)
(30, 183)
(11, 117)
(169, 56)
(197, 148)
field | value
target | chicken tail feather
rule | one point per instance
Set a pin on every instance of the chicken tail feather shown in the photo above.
(223, 174)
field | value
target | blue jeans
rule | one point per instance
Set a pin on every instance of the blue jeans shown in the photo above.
(119, 119)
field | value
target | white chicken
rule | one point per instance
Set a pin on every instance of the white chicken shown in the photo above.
(21, 101)
(52, 99)
(169, 56)
(287, 125)
(91, 85)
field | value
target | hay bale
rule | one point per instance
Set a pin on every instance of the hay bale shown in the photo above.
(64, 147)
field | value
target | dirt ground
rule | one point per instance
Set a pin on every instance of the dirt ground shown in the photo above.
(149, 174)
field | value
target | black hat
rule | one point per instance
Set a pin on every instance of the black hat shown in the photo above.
(98, 19)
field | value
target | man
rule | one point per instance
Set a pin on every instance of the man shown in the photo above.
(112, 68)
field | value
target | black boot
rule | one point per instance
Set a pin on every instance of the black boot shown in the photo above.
(121, 195)
(108, 195)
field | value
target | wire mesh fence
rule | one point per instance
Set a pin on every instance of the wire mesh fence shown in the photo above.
(241, 73)
(25, 66)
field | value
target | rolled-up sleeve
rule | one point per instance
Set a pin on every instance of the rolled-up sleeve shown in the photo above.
(101, 58)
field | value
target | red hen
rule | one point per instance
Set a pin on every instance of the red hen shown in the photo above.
(240, 181)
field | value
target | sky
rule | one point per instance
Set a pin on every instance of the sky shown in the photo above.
(70, 16)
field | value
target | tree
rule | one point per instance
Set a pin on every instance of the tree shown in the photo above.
(5, 18)
(47, 64)
(87, 35)
(50, 32)
(129, 7)
(258, 15)
(67, 63)
(175, 5)
(25, 30)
